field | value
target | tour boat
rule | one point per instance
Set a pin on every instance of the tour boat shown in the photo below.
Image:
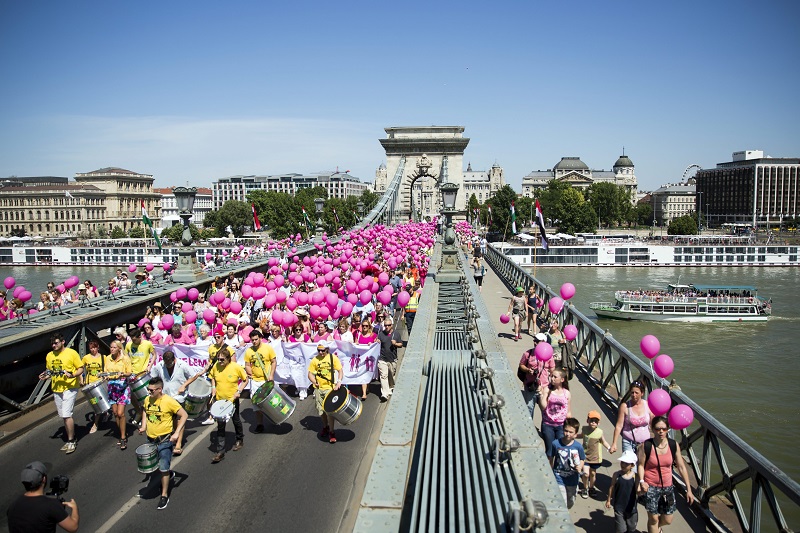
(688, 303)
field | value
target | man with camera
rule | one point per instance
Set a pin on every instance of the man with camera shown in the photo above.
(33, 511)
(537, 373)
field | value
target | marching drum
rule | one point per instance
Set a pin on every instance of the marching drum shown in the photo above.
(197, 397)
(147, 458)
(97, 395)
(273, 402)
(342, 406)
(139, 386)
(222, 410)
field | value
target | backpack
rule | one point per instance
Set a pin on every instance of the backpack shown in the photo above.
(673, 447)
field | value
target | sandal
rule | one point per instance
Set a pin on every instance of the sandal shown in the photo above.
(123, 444)
(177, 451)
(93, 429)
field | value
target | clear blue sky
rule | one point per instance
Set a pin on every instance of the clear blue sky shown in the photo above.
(195, 91)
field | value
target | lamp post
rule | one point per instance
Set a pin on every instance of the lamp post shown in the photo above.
(319, 203)
(360, 207)
(188, 270)
(448, 271)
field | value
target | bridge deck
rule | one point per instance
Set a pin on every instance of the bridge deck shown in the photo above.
(590, 514)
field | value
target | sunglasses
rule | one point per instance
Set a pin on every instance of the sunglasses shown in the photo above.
(153, 390)
(322, 351)
(661, 429)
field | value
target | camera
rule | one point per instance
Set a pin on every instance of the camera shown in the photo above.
(59, 485)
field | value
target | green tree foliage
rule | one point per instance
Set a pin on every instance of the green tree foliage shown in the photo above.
(117, 233)
(136, 232)
(369, 199)
(211, 220)
(501, 209)
(279, 212)
(102, 232)
(577, 215)
(18, 232)
(236, 214)
(644, 214)
(554, 208)
(685, 225)
(175, 232)
(473, 203)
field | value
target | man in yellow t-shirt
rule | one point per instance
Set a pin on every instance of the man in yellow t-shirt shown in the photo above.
(325, 379)
(258, 359)
(142, 354)
(64, 366)
(158, 415)
(228, 379)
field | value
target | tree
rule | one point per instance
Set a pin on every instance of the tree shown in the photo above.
(369, 199)
(102, 232)
(552, 201)
(684, 225)
(610, 201)
(577, 215)
(644, 214)
(136, 232)
(279, 212)
(175, 232)
(117, 233)
(18, 232)
(236, 214)
(211, 220)
(501, 209)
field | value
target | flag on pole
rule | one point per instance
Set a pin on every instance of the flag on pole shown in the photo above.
(306, 218)
(68, 195)
(149, 223)
(336, 216)
(489, 209)
(540, 223)
(513, 219)
(256, 222)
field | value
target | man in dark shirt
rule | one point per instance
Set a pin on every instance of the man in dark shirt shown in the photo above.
(34, 512)
(387, 362)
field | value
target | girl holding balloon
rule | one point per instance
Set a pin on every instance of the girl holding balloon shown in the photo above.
(555, 403)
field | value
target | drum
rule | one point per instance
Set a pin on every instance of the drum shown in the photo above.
(273, 402)
(139, 386)
(197, 397)
(342, 406)
(147, 458)
(222, 410)
(97, 395)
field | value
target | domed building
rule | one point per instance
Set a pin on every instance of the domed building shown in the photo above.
(578, 174)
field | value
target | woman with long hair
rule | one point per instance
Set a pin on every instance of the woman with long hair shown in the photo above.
(633, 417)
(118, 365)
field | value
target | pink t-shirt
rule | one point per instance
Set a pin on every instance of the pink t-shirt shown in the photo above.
(651, 468)
(557, 408)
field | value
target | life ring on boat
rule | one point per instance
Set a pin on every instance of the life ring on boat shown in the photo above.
(750, 300)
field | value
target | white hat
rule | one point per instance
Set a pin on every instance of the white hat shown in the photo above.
(541, 337)
(628, 457)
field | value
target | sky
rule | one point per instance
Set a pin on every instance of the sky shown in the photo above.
(193, 91)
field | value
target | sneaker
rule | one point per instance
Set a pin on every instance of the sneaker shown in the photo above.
(71, 446)
(237, 446)
(332, 438)
(260, 428)
(208, 421)
(593, 491)
(162, 503)
(65, 446)
(584, 494)
(217, 458)
(324, 433)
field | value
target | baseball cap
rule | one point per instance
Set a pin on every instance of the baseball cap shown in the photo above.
(594, 414)
(628, 457)
(33, 473)
(541, 337)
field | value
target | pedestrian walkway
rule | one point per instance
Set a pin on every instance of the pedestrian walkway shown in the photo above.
(587, 514)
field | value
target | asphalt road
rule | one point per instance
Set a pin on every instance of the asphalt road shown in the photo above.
(284, 479)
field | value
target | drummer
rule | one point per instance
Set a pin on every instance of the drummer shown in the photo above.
(158, 419)
(259, 363)
(64, 365)
(213, 351)
(228, 379)
(118, 368)
(177, 376)
(142, 354)
(323, 379)
(92, 367)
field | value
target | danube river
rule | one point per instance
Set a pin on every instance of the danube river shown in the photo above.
(745, 374)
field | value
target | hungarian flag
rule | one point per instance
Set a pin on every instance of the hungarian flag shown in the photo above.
(149, 224)
(306, 218)
(540, 223)
(489, 209)
(513, 219)
(256, 222)
(335, 215)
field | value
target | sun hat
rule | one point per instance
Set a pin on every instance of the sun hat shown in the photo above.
(628, 457)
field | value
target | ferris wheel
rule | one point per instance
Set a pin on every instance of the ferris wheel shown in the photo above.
(690, 171)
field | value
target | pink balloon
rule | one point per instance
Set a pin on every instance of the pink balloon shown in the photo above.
(680, 417)
(61, 288)
(186, 307)
(259, 292)
(236, 308)
(543, 351)
(403, 298)
(314, 312)
(149, 267)
(167, 267)
(225, 304)
(247, 291)
(384, 297)
(505, 319)
(659, 402)
(347, 309)
(209, 316)
(291, 304)
(351, 285)
(190, 317)
(567, 291)
(365, 297)
(19, 290)
(279, 280)
(9, 282)
(192, 294)
(570, 332)
(663, 365)
(33, 311)
(246, 333)
(364, 284)
(132, 267)
(25, 296)
(650, 346)
(280, 297)
(173, 297)
(383, 279)
(209, 257)
(69, 282)
(277, 317)
(167, 321)
(324, 312)
(301, 297)
(332, 300)
(556, 304)
(181, 293)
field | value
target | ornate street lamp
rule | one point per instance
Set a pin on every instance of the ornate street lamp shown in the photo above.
(188, 269)
(448, 271)
(319, 203)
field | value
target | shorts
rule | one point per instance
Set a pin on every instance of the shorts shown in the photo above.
(65, 402)
(164, 452)
(593, 466)
(319, 399)
(568, 493)
(479, 280)
(651, 499)
(626, 524)
(119, 392)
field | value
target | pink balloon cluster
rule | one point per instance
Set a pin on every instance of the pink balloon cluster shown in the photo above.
(659, 400)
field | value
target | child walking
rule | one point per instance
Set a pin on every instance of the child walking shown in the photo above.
(566, 458)
(622, 495)
(555, 403)
(592, 438)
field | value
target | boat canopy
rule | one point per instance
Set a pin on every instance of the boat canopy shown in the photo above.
(704, 288)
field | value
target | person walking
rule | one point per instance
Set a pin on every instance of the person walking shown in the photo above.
(259, 364)
(387, 362)
(632, 419)
(119, 369)
(64, 366)
(227, 382)
(516, 309)
(325, 373)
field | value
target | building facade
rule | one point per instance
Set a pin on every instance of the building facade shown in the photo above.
(750, 189)
(578, 174)
(169, 207)
(482, 183)
(338, 185)
(672, 201)
(125, 191)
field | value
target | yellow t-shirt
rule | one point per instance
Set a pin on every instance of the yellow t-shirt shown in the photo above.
(122, 365)
(92, 366)
(227, 379)
(320, 366)
(160, 414)
(212, 352)
(67, 360)
(267, 356)
(141, 356)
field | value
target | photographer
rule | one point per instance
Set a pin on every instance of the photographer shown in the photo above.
(33, 511)
(537, 373)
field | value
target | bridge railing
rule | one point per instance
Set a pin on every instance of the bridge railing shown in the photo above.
(721, 463)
